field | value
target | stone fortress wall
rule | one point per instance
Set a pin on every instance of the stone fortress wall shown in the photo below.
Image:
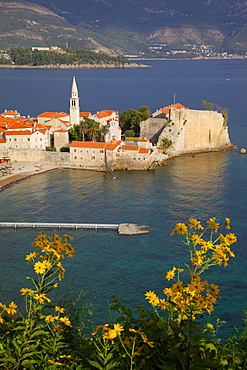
(189, 130)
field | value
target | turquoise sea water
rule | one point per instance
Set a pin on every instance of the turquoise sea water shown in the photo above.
(202, 186)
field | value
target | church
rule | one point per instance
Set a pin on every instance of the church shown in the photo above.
(108, 118)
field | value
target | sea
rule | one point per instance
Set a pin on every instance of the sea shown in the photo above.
(201, 185)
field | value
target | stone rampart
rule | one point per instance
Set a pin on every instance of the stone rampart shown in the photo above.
(59, 158)
(195, 131)
(152, 128)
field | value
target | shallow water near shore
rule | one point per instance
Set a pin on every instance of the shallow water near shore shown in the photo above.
(203, 186)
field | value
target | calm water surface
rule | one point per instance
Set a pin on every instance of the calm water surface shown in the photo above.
(202, 186)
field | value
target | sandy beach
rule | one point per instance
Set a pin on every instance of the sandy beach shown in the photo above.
(24, 169)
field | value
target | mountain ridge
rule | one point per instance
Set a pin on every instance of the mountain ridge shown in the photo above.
(124, 27)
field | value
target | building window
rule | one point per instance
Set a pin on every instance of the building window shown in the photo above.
(28, 139)
(75, 157)
(74, 150)
(41, 139)
(93, 157)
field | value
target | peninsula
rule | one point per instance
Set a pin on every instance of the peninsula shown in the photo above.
(48, 141)
(57, 58)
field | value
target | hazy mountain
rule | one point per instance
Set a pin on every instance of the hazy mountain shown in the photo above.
(127, 26)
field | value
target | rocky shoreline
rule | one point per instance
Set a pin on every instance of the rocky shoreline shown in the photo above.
(75, 66)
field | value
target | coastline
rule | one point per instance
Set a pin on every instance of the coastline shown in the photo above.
(75, 66)
(24, 169)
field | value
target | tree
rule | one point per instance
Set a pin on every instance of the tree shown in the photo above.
(218, 108)
(207, 105)
(131, 118)
(103, 130)
(129, 133)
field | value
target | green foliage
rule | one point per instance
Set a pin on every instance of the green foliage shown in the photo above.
(166, 143)
(129, 133)
(131, 118)
(218, 108)
(22, 56)
(88, 130)
(64, 149)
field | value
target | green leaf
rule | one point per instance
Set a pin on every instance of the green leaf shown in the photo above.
(113, 365)
(161, 324)
(95, 364)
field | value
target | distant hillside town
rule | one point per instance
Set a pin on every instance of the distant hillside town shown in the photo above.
(170, 131)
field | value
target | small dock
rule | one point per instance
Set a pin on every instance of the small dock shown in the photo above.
(123, 229)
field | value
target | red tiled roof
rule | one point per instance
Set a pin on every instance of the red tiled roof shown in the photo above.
(9, 132)
(144, 150)
(2, 141)
(144, 140)
(87, 144)
(177, 106)
(10, 112)
(16, 125)
(53, 114)
(95, 144)
(113, 144)
(130, 147)
(61, 130)
(105, 113)
(85, 114)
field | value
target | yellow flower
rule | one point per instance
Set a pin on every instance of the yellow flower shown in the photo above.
(54, 362)
(39, 267)
(228, 223)
(59, 309)
(195, 224)
(47, 264)
(41, 298)
(207, 245)
(170, 274)
(230, 239)
(196, 286)
(26, 291)
(1, 319)
(196, 239)
(31, 255)
(168, 292)
(214, 289)
(213, 225)
(180, 228)
(65, 320)
(118, 328)
(145, 340)
(152, 297)
(11, 310)
(51, 318)
(163, 304)
(109, 334)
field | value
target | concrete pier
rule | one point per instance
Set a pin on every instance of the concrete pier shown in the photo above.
(123, 229)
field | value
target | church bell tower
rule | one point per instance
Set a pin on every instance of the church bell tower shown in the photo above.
(74, 104)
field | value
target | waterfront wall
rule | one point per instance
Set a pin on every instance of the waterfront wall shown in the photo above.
(195, 131)
(59, 158)
(152, 128)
